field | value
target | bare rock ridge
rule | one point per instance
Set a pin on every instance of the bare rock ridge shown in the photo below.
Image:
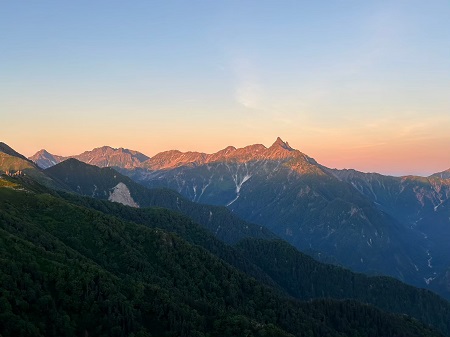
(280, 143)
(107, 156)
(174, 158)
(127, 159)
(44, 159)
(104, 156)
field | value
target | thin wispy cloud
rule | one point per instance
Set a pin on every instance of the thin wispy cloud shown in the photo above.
(248, 89)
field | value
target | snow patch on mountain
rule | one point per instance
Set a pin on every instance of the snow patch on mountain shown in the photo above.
(121, 194)
(429, 259)
(239, 184)
(233, 200)
(429, 279)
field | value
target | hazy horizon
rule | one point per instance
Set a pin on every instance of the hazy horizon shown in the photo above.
(362, 85)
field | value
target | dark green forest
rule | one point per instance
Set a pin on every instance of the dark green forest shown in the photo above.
(69, 268)
(280, 265)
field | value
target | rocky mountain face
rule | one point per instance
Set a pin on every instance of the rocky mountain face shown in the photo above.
(422, 203)
(104, 156)
(365, 221)
(368, 222)
(279, 151)
(44, 159)
(289, 193)
(107, 157)
(408, 198)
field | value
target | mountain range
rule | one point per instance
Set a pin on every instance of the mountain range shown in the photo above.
(397, 226)
(102, 268)
(104, 156)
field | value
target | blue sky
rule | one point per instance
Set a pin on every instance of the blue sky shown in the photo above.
(362, 84)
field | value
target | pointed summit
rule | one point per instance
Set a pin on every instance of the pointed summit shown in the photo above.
(280, 143)
(42, 153)
(45, 159)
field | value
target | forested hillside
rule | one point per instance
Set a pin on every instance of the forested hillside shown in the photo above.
(95, 274)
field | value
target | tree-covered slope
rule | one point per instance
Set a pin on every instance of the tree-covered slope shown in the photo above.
(67, 270)
(305, 278)
(344, 284)
(179, 224)
(279, 264)
(99, 183)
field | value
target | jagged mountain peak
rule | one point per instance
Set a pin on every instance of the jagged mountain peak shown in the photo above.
(42, 152)
(280, 143)
(278, 151)
(107, 156)
(45, 159)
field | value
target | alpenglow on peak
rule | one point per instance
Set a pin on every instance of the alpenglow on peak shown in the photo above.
(280, 143)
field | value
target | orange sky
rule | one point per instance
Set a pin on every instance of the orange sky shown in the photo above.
(395, 156)
(361, 85)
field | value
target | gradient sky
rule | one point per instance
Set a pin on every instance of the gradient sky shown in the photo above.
(354, 84)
